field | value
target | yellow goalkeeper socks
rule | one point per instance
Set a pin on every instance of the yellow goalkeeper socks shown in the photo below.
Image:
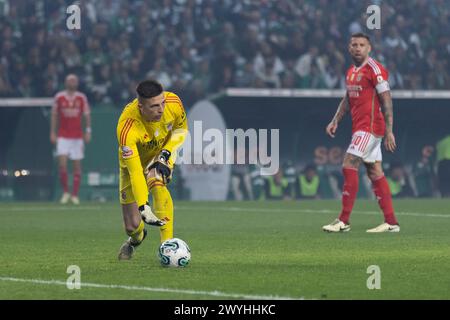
(137, 235)
(162, 206)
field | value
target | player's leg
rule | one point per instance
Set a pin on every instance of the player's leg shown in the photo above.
(383, 194)
(76, 154)
(134, 226)
(349, 191)
(62, 152)
(351, 184)
(162, 204)
(76, 167)
(352, 160)
(63, 178)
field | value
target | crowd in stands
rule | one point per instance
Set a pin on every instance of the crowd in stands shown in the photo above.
(198, 47)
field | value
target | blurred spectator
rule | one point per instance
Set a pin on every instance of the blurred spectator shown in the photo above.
(257, 182)
(241, 184)
(291, 178)
(25, 88)
(395, 77)
(394, 39)
(424, 174)
(241, 181)
(277, 187)
(268, 66)
(398, 181)
(443, 162)
(308, 183)
(5, 86)
(203, 75)
(160, 74)
(268, 75)
(245, 77)
(305, 63)
(290, 44)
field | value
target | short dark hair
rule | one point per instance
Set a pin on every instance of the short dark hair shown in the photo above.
(149, 89)
(360, 35)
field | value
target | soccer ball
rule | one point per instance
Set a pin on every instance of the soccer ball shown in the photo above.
(174, 253)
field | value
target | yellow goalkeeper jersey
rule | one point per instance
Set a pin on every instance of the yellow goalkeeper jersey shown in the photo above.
(140, 140)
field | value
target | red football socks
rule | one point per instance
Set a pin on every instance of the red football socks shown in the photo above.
(63, 180)
(383, 194)
(349, 192)
(76, 183)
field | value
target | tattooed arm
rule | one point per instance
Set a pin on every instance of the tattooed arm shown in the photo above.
(340, 113)
(388, 111)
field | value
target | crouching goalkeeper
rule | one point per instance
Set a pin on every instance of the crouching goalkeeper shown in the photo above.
(149, 131)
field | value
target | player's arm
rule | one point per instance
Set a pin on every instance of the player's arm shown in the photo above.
(388, 112)
(137, 179)
(87, 120)
(87, 130)
(53, 122)
(128, 138)
(380, 81)
(342, 109)
(140, 191)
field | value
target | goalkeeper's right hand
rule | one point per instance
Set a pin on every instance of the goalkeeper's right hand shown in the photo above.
(148, 216)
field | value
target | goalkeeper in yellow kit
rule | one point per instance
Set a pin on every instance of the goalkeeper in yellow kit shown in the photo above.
(149, 131)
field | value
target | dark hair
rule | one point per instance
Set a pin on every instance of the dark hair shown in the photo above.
(360, 35)
(149, 89)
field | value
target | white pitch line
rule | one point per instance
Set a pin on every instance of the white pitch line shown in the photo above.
(242, 209)
(55, 208)
(163, 290)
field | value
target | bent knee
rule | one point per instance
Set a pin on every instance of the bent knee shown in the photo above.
(375, 177)
(375, 174)
(351, 161)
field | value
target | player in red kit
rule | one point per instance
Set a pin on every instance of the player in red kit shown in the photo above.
(66, 131)
(369, 101)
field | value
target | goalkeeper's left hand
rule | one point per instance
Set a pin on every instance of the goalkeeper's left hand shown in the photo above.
(148, 216)
(162, 168)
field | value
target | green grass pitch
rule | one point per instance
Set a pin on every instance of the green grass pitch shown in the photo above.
(240, 250)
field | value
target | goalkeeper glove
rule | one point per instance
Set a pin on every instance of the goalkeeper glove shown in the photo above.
(148, 216)
(163, 171)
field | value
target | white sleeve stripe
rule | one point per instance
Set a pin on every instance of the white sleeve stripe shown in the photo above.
(374, 65)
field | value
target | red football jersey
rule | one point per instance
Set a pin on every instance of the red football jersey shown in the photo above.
(70, 109)
(363, 83)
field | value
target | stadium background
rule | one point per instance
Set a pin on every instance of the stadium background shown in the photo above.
(292, 53)
(266, 64)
